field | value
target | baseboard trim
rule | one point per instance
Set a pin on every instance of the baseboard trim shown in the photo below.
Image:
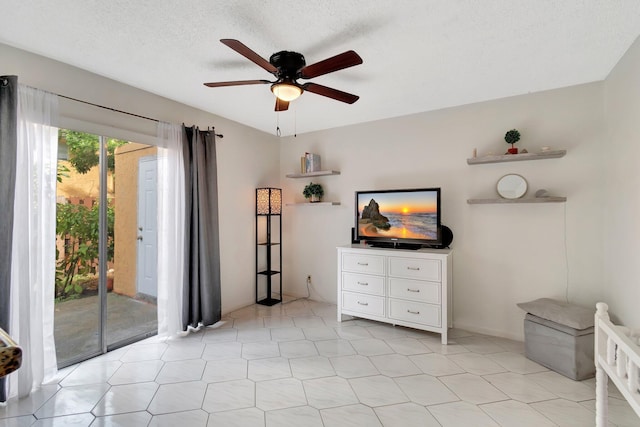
(488, 331)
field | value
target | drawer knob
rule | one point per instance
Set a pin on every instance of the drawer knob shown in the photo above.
(363, 263)
(413, 268)
(413, 290)
(363, 283)
(363, 303)
(413, 312)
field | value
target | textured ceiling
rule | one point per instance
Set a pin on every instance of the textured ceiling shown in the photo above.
(419, 55)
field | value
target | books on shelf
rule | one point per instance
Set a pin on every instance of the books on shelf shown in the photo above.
(310, 163)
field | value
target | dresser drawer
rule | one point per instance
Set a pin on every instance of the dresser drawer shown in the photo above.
(363, 303)
(360, 263)
(415, 268)
(373, 285)
(416, 312)
(414, 290)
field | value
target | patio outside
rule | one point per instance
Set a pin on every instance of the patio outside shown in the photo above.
(130, 208)
(77, 323)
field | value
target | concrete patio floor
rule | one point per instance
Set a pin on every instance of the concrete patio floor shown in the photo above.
(77, 323)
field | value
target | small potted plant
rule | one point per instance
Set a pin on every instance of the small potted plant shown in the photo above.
(512, 137)
(313, 192)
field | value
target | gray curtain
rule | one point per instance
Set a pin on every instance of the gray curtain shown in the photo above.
(201, 294)
(8, 146)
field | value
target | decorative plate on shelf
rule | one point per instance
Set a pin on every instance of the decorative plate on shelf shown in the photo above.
(512, 186)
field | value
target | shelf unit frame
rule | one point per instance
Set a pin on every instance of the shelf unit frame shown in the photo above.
(270, 214)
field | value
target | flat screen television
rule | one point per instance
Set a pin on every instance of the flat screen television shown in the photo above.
(407, 218)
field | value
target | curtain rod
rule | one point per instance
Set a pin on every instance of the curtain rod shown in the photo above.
(122, 112)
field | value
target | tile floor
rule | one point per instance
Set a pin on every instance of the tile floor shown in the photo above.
(295, 365)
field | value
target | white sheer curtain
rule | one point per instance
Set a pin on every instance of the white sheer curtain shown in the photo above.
(171, 233)
(34, 244)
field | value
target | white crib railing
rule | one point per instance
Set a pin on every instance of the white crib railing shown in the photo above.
(617, 356)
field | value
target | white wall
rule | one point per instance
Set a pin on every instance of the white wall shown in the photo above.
(503, 254)
(246, 157)
(622, 202)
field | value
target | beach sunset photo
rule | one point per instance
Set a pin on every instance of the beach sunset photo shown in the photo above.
(402, 214)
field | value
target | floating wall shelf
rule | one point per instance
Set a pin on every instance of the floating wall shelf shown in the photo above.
(527, 200)
(311, 174)
(314, 204)
(517, 157)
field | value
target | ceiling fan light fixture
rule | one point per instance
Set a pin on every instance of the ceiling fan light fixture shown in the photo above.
(287, 67)
(286, 91)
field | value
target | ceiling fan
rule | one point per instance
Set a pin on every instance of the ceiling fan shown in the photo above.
(288, 67)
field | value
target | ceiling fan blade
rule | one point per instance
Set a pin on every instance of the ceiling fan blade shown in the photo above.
(249, 54)
(330, 93)
(237, 83)
(344, 60)
(281, 105)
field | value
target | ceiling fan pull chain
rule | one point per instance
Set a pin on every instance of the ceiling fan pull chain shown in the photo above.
(278, 133)
(295, 122)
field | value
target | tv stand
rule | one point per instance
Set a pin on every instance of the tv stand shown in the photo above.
(403, 287)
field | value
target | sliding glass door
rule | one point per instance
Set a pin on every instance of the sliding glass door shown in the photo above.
(100, 304)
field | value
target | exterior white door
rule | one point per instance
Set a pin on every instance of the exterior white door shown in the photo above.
(147, 256)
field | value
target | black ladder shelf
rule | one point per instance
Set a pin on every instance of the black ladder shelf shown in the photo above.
(265, 246)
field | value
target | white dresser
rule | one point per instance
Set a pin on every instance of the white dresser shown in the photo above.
(403, 287)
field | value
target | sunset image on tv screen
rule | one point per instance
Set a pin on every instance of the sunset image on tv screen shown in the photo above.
(406, 215)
